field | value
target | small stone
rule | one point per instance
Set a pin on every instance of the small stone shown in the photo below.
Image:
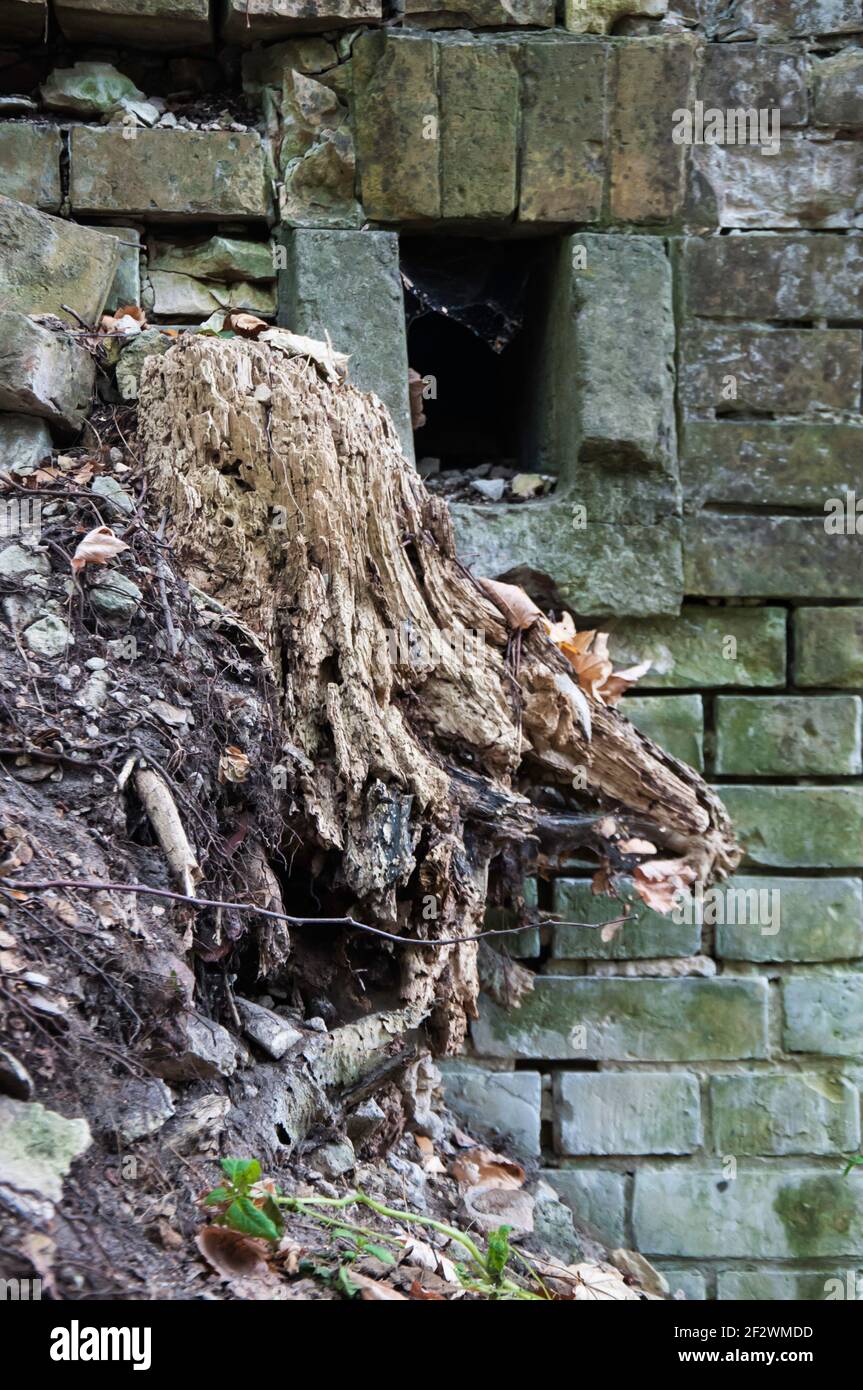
(115, 597)
(48, 636)
(17, 560)
(88, 89)
(96, 663)
(37, 1149)
(334, 1159)
(365, 1121)
(205, 1050)
(527, 484)
(147, 344)
(267, 1029)
(43, 373)
(16, 106)
(24, 443)
(137, 1108)
(489, 488)
(316, 1024)
(110, 489)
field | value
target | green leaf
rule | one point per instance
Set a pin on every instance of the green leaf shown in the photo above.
(242, 1215)
(242, 1171)
(379, 1253)
(498, 1252)
(218, 1194)
(853, 1161)
(346, 1283)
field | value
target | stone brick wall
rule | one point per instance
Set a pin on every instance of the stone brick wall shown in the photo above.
(690, 1086)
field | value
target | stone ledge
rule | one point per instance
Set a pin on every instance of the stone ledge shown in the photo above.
(30, 164)
(168, 173)
(248, 22)
(142, 23)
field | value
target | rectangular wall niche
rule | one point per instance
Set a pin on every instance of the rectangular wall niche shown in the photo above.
(474, 313)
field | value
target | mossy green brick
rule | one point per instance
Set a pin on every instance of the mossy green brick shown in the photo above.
(816, 827)
(624, 1020)
(788, 735)
(793, 919)
(786, 1285)
(705, 647)
(596, 1198)
(807, 1113)
(675, 722)
(30, 164)
(824, 1013)
(636, 1112)
(767, 557)
(828, 647)
(563, 161)
(743, 463)
(763, 1214)
(647, 935)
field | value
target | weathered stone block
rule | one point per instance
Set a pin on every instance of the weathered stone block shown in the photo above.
(596, 1199)
(783, 1285)
(624, 349)
(675, 722)
(799, 919)
(507, 1102)
(182, 297)
(756, 77)
(776, 1213)
(752, 462)
(563, 161)
(788, 371)
(164, 173)
(23, 20)
(828, 647)
(653, 79)
(396, 121)
(806, 184)
(788, 735)
(601, 569)
(479, 14)
(479, 96)
(30, 164)
(808, 1113)
(48, 263)
(149, 23)
(798, 827)
(626, 1113)
(824, 1013)
(598, 16)
(648, 936)
(347, 284)
(778, 19)
(24, 442)
(220, 258)
(772, 556)
(622, 1020)
(248, 21)
(705, 647)
(764, 276)
(839, 90)
(43, 373)
(126, 286)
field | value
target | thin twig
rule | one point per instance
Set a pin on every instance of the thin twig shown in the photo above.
(98, 887)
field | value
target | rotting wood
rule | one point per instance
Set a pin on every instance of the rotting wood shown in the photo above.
(408, 730)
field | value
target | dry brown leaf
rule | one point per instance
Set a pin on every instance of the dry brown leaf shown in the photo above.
(98, 547)
(373, 1291)
(231, 1253)
(520, 611)
(600, 1284)
(233, 765)
(417, 1291)
(617, 684)
(416, 386)
(610, 930)
(480, 1167)
(246, 325)
(132, 311)
(657, 881)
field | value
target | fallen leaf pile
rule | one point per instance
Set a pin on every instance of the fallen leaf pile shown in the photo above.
(587, 653)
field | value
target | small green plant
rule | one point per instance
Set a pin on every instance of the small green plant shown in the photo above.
(254, 1206)
(852, 1161)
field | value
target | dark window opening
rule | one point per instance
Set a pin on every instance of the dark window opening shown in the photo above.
(474, 320)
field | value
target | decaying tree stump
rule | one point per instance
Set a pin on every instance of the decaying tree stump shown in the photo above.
(414, 720)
